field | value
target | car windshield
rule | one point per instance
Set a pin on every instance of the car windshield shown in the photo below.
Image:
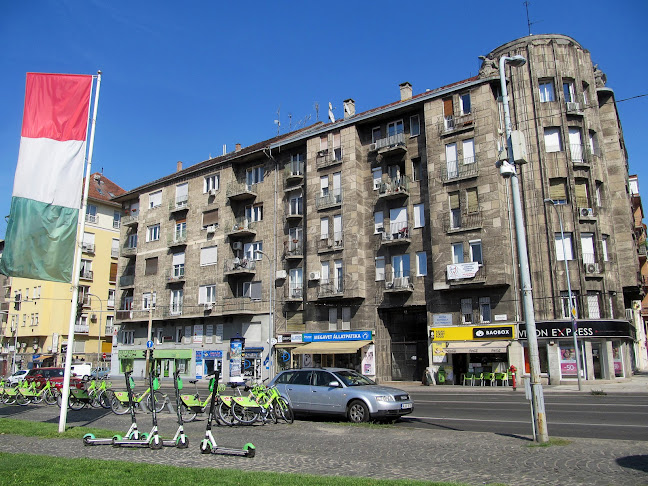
(351, 378)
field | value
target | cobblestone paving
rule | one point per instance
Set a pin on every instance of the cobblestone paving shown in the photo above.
(327, 448)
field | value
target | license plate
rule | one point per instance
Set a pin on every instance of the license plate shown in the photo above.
(406, 405)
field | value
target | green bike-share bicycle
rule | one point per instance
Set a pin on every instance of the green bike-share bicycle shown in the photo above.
(208, 444)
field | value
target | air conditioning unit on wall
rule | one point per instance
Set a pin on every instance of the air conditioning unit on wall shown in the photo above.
(212, 192)
(592, 268)
(314, 276)
(211, 228)
(586, 212)
(237, 245)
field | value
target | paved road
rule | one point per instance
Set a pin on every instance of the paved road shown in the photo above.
(329, 448)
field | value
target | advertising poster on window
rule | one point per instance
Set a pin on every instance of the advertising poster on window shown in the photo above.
(236, 357)
(199, 365)
(568, 361)
(198, 334)
(617, 359)
(219, 333)
(209, 334)
(187, 334)
(369, 361)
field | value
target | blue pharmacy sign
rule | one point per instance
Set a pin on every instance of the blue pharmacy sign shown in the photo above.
(336, 336)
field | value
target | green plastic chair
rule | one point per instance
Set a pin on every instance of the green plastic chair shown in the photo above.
(502, 378)
(480, 378)
(490, 377)
(469, 376)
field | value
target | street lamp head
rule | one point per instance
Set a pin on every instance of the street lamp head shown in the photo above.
(516, 61)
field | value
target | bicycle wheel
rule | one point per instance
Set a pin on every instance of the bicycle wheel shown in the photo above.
(105, 396)
(225, 414)
(94, 400)
(160, 401)
(244, 415)
(118, 407)
(36, 398)
(22, 399)
(284, 409)
(50, 397)
(8, 399)
(75, 403)
(187, 414)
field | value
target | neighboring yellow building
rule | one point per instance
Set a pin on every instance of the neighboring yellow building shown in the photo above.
(35, 331)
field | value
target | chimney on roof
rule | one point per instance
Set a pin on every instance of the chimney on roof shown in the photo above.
(238, 147)
(349, 108)
(405, 91)
(179, 166)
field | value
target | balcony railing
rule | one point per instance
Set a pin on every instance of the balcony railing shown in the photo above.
(237, 265)
(294, 171)
(395, 233)
(127, 281)
(88, 248)
(86, 274)
(331, 199)
(460, 169)
(294, 291)
(294, 248)
(328, 157)
(240, 227)
(240, 190)
(295, 210)
(116, 224)
(243, 305)
(330, 288)
(177, 238)
(128, 251)
(130, 219)
(394, 188)
(392, 142)
(176, 274)
(456, 222)
(81, 328)
(91, 218)
(331, 243)
(399, 283)
(124, 314)
(451, 123)
(180, 203)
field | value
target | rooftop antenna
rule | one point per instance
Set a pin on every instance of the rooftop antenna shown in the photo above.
(529, 23)
(290, 122)
(316, 106)
(278, 120)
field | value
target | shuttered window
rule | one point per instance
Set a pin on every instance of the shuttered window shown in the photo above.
(471, 200)
(210, 217)
(447, 107)
(151, 266)
(454, 200)
(582, 201)
(113, 272)
(557, 190)
(295, 321)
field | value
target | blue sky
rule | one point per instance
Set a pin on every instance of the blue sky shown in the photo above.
(182, 79)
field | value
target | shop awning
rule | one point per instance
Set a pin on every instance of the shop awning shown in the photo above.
(42, 357)
(476, 347)
(337, 347)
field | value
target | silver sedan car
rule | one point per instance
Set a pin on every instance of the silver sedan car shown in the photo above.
(339, 391)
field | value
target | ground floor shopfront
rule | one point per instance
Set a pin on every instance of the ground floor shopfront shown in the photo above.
(605, 349)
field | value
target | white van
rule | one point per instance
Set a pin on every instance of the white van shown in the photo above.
(82, 370)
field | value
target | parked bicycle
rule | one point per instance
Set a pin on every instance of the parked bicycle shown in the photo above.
(119, 402)
(192, 405)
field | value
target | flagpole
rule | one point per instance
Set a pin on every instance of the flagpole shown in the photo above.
(77, 265)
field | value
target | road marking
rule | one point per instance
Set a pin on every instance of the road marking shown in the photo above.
(553, 404)
(507, 421)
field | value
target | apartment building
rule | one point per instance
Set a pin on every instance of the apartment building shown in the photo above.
(384, 241)
(639, 310)
(35, 331)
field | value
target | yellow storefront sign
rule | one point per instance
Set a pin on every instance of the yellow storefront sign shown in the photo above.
(472, 333)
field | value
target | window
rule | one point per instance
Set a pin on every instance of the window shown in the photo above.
(472, 201)
(177, 298)
(569, 90)
(346, 318)
(466, 311)
(468, 148)
(547, 92)
(379, 225)
(581, 193)
(211, 183)
(401, 265)
(398, 222)
(457, 253)
(585, 93)
(155, 199)
(557, 190)
(484, 309)
(112, 277)
(180, 232)
(552, 139)
(131, 241)
(419, 216)
(323, 143)
(587, 248)
(455, 210)
(151, 266)
(599, 194)
(568, 253)
(451, 160)
(448, 114)
(377, 178)
(415, 126)
(109, 325)
(297, 164)
(337, 146)
(91, 213)
(324, 186)
(254, 175)
(148, 300)
(114, 249)
(153, 232)
(295, 206)
(128, 337)
(210, 218)
(375, 134)
(116, 219)
(324, 228)
(86, 269)
(296, 283)
(252, 290)
(207, 294)
(604, 247)
(380, 268)
(251, 250)
(37, 292)
(421, 264)
(254, 213)
(417, 169)
(395, 128)
(178, 265)
(182, 194)
(111, 298)
(208, 256)
(464, 103)
(594, 143)
(332, 319)
(576, 144)
(476, 251)
(593, 305)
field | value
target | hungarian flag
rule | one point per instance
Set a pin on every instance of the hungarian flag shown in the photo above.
(41, 232)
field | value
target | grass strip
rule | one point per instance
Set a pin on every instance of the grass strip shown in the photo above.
(49, 431)
(27, 469)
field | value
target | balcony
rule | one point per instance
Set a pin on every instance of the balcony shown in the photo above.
(130, 219)
(327, 158)
(126, 281)
(451, 124)
(85, 274)
(330, 243)
(641, 250)
(294, 249)
(128, 251)
(294, 211)
(399, 284)
(294, 293)
(466, 273)
(456, 222)
(458, 170)
(330, 288)
(88, 248)
(240, 227)
(81, 328)
(294, 172)
(391, 144)
(243, 305)
(124, 314)
(176, 274)
(176, 310)
(91, 218)
(114, 252)
(179, 238)
(239, 267)
(180, 203)
(331, 199)
(573, 108)
(398, 234)
(392, 189)
(240, 191)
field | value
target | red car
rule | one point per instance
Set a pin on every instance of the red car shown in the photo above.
(55, 375)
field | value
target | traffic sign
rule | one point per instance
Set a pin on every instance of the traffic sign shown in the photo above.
(104, 356)
(149, 344)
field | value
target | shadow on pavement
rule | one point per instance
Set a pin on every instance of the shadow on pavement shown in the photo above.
(640, 463)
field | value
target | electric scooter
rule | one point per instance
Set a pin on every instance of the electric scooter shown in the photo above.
(180, 440)
(208, 444)
(132, 434)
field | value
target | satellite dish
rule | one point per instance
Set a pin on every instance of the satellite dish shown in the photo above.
(331, 117)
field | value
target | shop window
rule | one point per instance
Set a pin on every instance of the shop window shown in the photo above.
(542, 354)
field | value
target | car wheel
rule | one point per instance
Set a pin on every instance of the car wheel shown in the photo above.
(358, 412)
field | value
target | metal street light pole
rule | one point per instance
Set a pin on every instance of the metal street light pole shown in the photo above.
(271, 315)
(507, 169)
(572, 310)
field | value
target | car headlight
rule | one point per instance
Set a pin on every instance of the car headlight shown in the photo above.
(385, 398)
